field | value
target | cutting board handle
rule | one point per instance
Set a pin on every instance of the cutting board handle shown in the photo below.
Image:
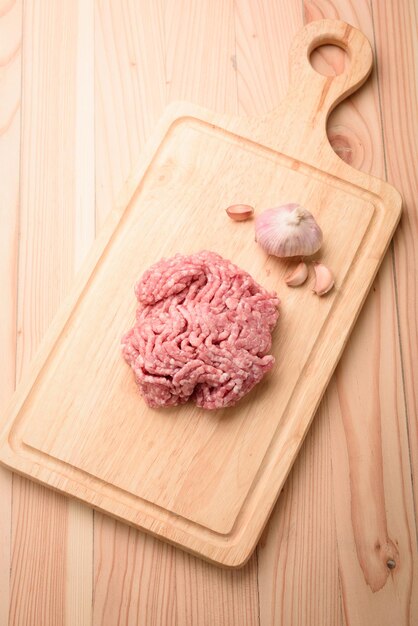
(325, 92)
(311, 95)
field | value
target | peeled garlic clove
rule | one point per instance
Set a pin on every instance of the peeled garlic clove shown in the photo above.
(298, 276)
(288, 230)
(240, 212)
(324, 279)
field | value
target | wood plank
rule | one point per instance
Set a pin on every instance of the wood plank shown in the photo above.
(130, 88)
(374, 514)
(297, 555)
(5, 542)
(78, 591)
(354, 132)
(38, 573)
(207, 75)
(174, 588)
(179, 579)
(56, 216)
(264, 32)
(10, 97)
(84, 135)
(297, 558)
(209, 595)
(10, 76)
(80, 531)
(396, 27)
(371, 472)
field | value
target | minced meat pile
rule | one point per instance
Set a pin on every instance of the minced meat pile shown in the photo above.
(202, 332)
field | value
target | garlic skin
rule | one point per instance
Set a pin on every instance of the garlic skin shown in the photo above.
(324, 279)
(240, 212)
(298, 276)
(288, 230)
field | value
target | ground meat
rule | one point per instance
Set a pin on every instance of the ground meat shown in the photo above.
(202, 332)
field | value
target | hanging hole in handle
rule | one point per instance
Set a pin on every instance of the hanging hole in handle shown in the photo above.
(329, 59)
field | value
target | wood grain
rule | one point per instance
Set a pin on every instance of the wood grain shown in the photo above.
(376, 522)
(394, 23)
(352, 131)
(209, 78)
(45, 584)
(302, 526)
(183, 575)
(387, 532)
(175, 588)
(10, 78)
(130, 88)
(261, 55)
(38, 560)
(297, 555)
(81, 443)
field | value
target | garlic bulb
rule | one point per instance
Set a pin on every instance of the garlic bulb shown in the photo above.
(324, 279)
(298, 276)
(288, 230)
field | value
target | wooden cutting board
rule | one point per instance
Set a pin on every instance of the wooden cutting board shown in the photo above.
(207, 481)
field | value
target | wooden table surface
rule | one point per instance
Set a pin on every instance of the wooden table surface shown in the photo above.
(82, 83)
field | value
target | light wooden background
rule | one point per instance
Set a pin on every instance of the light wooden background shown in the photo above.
(82, 83)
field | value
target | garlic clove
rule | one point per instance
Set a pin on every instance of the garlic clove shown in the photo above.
(288, 230)
(240, 212)
(298, 276)
(324, 279)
